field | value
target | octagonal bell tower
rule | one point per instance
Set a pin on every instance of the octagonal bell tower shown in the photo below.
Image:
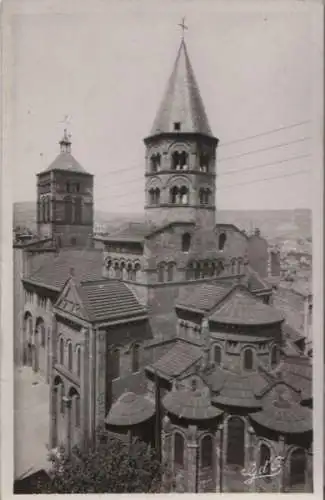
(181, 153)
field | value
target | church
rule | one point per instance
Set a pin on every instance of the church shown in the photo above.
(166, 324)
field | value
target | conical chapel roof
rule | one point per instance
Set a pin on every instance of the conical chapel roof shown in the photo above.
(182, 103)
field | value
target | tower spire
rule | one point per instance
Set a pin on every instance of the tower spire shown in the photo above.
(182, 107)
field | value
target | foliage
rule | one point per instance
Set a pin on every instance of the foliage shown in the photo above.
(110, 466)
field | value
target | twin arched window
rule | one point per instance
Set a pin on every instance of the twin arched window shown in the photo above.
(179, 195)
(179, 160)
(155, 161)
(154, 196)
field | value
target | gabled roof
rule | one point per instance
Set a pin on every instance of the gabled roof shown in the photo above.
(181, 356)
(203, 297)
(182, 101)
(55, 268)
(108, 300)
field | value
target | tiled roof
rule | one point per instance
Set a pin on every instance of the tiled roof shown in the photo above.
(55, 268)
(242, 308)
(299, 376)
(240, 390)
(130, 409)
(203, 297)
(108, 299)
(193, 405)
(284, 415)
(65, 161)
(132, 231)
(177, 359)
(182, 101)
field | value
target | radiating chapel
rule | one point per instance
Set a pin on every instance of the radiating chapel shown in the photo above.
(166, 324)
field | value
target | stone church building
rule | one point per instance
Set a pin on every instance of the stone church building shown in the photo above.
(164, 324)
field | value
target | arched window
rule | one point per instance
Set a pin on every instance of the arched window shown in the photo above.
(184, 195)
(186, 242)
(161, 272)
(205, 269)
(233, 266)
(170, 271)
(136, 271)
(48, 209)
(217, 354)
(206, 451)
(204, 162)
(248, 359)
(122, 270)
(73, 241)
(298, 465)
(239, 266)
(129, 271)
(219, 268)
(155, 162)
(117, 272)
(236, 442)
(265, 461)
(78, 210)
(222, 241)
(78, 361)
(61, 355)
(70, 356)
(68, 210)
(212, 269)
(135, 358)
(274, 356)
(115, 363)
(174, 194)
(175, 160)
(178, 449)
(77, 410)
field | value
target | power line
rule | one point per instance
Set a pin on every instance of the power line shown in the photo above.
(263, 149)
(286, 127)
(229, 186)
(263, 179)
(229, 172)
(129, 169)
(264, 165)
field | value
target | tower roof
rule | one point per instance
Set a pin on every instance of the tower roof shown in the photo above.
(182, 108)
(64, 160)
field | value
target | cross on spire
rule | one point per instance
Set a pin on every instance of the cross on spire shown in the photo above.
(183, 27)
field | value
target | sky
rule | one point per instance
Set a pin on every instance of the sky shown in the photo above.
(106, 65)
